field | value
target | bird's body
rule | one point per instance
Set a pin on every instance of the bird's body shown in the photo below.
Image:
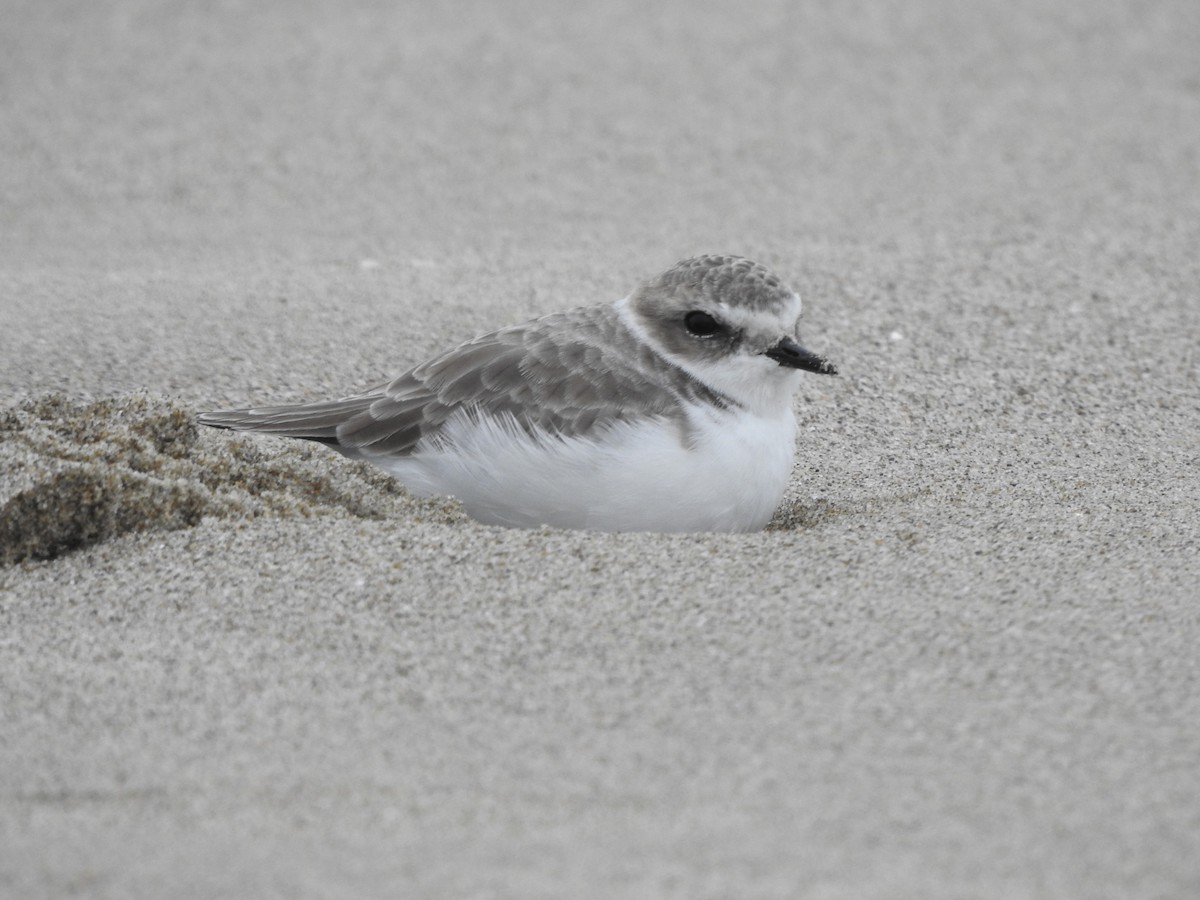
(670, 410)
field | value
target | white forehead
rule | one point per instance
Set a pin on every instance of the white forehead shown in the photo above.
(744, 318)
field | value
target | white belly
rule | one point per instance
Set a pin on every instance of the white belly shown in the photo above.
(634, 478)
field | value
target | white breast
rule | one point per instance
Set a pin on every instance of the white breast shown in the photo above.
(726, 472)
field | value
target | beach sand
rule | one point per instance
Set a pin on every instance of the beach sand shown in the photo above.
(961, 662)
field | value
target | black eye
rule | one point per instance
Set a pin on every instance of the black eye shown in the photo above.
(701, 324)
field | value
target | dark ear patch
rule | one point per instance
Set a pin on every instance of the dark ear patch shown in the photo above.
(671, 326)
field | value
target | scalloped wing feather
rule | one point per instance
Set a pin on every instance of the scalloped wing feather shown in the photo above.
(563, 374)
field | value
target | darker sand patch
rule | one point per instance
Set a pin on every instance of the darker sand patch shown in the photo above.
(74, 473)
(794, 516)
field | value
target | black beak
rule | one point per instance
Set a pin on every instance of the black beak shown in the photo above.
(788, 353)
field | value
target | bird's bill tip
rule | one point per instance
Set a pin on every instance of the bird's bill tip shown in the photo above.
(790, 354)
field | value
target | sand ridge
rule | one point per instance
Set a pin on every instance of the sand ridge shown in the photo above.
(77, 473)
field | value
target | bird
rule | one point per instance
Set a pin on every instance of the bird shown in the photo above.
(669, 410)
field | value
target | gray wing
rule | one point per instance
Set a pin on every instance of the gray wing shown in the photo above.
(560, 375)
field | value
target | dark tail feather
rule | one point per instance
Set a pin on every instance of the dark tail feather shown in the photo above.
(313, 422)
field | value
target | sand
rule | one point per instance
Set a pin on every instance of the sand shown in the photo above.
(962, 662)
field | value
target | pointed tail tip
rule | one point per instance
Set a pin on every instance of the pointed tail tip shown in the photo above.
(215, 419)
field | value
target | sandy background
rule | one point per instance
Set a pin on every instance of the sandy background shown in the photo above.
(963, 663)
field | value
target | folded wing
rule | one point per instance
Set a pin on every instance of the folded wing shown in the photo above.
(560, 375)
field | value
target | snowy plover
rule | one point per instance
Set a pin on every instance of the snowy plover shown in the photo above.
(669, 410)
